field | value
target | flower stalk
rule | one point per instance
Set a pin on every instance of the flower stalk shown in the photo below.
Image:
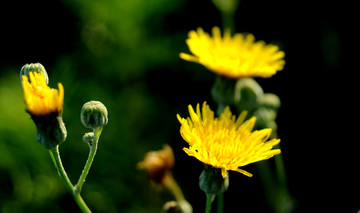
(93, 148)
(209, 200)
(158, 165)
(55, 155)
(170, 184)
(45, 106)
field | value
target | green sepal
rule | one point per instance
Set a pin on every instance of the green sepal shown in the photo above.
(50, 129)
(33, 67)
(212, 182)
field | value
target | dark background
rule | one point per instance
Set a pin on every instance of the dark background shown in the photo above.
(125, 54)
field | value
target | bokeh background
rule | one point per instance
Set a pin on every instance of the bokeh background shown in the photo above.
(124, 53)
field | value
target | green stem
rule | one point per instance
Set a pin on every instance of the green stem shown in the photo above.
(228, 21)
(280, 168)
(55, 155)
(170, 183)
(209, 200)
(93, 147)
(284, 202)
(220, 203)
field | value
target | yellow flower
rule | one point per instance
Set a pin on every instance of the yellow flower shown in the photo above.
(39, 98)
(234, 57)
(225, 143)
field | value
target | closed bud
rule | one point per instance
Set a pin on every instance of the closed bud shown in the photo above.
(212, 182)
(36, 67)
(158, 163)
(248, 94)
(94, 114)
(171, 207)
(271, 101)
(50, 129)
(88, 138)
(222, 92)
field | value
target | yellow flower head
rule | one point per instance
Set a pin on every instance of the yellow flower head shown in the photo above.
(39, 98)
(225, 143)
(234, 57)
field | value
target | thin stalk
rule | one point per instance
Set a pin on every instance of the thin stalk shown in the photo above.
(220, 203)
(93, 147)
(170, 183)
(280, 168)
(284, 201)
(209, 200)
(228, 21)
(55, 155)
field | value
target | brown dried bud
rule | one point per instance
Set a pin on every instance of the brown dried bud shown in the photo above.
(158, 163)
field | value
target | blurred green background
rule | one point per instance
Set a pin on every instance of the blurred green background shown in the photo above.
(124, 53)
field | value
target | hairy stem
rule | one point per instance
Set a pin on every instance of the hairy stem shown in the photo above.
(93, 147)
(55, 155)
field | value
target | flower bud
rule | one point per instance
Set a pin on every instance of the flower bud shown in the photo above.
(222, 92)
(88, 138)
(94, 114)
(171, 207)
(248, 94)
(267, 113)
(36, 67)
(158, 163)
(271, 100)
(212, 182)
(50, 129)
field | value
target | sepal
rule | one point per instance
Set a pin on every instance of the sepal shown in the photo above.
(50, 129)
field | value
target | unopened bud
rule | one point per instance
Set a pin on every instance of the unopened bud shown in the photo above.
(223, 92)
(94, 114)
(158, 163)
(88, 138)
(36, 67)
(171, 207)
(248, 94)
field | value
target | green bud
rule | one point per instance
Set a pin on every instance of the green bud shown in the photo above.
(50, 129)
(36, 67)
(171, 207)
(179, 206)
(94, 114)
(271, 100)
(212, 182)
(267, 112)
(248, 94)
(88, 138)
(222, 92)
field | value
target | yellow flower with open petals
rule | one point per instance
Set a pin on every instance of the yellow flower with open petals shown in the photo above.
(225, 143)
(234, 57)
(39, 98)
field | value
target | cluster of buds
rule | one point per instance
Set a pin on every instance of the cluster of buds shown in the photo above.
(245, 94)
